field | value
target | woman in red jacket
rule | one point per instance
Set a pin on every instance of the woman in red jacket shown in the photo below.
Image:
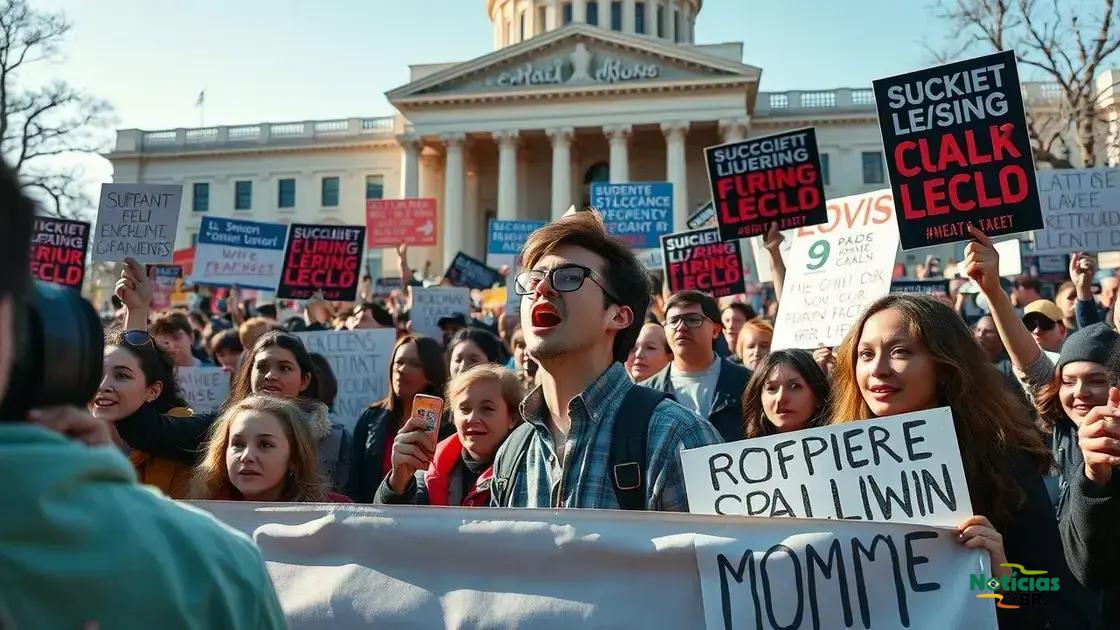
(484, 406)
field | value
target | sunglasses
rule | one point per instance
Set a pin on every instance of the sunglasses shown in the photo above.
(1040, 322)
(138, 339)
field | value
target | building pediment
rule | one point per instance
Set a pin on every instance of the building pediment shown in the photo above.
(573, 59)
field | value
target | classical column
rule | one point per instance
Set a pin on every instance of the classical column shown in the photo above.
(651, 17)
(410, 168)
(474, 232)
(628, 25)
(561, 169)
(431, 187)
(604, 14)
(671, 21)
(579, 11)
(453, 206)
(619, 136)
(507, 173)
(676, 170)
(553, 17)
(734, 129)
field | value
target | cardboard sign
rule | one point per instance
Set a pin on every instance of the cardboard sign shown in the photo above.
(762, 180)
(505, 239)
(432, 303)
(360, 362)
(138, 221)
(1081, 211)
(699, 261)
(204, 388)
(638, 213)
(836, 270)
(904, 468)
(322, 258)
(957, 151)
(705, 217)
(466, 271)
(58, 251)
(921, 287)
(243, 253)
(390, 222)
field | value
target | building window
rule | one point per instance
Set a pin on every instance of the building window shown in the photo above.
(873, 167)
(661, 22)
(242, 195)
(286, 193)
(824, 170)
(375, 186)
(194, 239)
(567, 12)
(329, 193)
(524, 36)
(640, 18)
(542, 20)
(200, 199)
(593, 13)
(616, 15)
(677, 28)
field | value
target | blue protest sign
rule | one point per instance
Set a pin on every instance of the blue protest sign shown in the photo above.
(505, 238)
(231, 252)
(638, 213)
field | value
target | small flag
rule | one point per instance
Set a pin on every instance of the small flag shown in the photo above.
(201, 98)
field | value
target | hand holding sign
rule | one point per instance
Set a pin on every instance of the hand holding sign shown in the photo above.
(412, 451)
(773, 240)
(981, 262)
(1099, 440)
(977, 532)
(1082, 268)
(135, 288)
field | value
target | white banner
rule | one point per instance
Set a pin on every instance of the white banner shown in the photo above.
(360, 362)
(346, 566)
(1081, 211)
(204, 388)
(905, 468)
(137, 220)
(430, 304)
(836, 270)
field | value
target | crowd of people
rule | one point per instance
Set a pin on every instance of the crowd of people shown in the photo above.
(582, 399)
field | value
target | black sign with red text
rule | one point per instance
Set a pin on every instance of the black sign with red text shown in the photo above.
(957, 151)
(322, 258)
(700, 261)
(762, 180)
(58, 251)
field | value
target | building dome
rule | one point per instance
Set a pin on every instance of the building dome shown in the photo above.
(518, 20)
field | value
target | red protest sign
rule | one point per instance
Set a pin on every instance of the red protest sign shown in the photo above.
(699, 261)
(58, 251)
(390, 222)
(322, 258)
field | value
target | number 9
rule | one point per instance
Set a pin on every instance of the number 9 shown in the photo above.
(818, 252)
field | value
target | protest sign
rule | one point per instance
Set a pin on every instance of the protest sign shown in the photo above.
(390, 222)
(163, 289)
(58, 251)
(243, 253)
(836, 270)
(505, 238)
(957, 151)
(699, 261)
(905, 468)
(1080, 210)
(513, 300)
(321, 258)
(939, 286)
(759, 181)
(360, 362)
(204, 388)
(430, 304)
(638, 213)
(138, 221)
(705, 217)
(368, 565)
(466, 271)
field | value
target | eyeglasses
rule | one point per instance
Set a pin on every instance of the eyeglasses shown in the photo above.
(1043, 323)
(138, 339)
(564, 278)
(692, 320)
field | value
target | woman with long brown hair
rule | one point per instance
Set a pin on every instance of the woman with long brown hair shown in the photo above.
(910, 353)
(416, 367)
(787, 392)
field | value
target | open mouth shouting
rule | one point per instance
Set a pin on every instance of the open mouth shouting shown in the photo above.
(544, 316)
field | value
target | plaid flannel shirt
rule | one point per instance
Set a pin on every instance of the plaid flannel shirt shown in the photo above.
(582, 479)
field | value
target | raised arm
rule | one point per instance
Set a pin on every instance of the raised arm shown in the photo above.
(772, 242)
(405, 271)
(134, 289)
(981, 263)
(1082, 268)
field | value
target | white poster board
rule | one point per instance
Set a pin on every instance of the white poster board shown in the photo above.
(204, 388)
(904, 468)
(138, 221)
(429, 304)
(360, 362)
(834, 271)
(1081, 211)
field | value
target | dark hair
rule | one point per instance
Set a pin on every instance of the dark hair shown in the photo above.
(755, 422)
(294, 324)
(435, 370)
(706, 303)
(267, 310)
(744, 310)
(227, 340)
(170, 323)
(625, 276)
(199, 318)
(328, 384)
(243, 384)
(485, 340)
(378, 313)
(157, 367)
(19, 215)
(1027, 282)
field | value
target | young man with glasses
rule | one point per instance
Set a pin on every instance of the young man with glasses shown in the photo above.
(583, 301)
(698, 378)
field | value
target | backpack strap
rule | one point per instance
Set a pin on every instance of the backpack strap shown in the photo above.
(628, 445)
(508, 465)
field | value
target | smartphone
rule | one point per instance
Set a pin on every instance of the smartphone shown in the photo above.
(430, 408)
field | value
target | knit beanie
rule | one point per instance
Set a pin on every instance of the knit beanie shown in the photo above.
(1094, 343)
